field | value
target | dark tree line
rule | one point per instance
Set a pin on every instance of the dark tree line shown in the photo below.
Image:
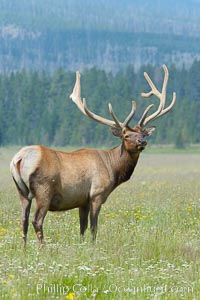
(35, 107)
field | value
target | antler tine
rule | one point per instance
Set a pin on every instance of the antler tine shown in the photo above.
(165, 82)
(154, 90)
(168, 108)
(162, 96)
(130, 116)
(96, 117)
(76, 94)
(141, 121)
(119, 124)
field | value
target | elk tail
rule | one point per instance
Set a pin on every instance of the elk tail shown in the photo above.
(16, 174)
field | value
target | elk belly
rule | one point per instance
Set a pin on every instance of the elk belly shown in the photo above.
(61, 202)
(56, 203)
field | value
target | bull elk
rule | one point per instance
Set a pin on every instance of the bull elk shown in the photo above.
(82, 179)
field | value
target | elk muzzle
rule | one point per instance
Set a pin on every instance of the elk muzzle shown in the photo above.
(141, 144)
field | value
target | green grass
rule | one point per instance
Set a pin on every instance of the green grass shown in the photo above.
(147, 245)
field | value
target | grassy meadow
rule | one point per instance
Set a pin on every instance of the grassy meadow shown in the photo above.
(147, 245)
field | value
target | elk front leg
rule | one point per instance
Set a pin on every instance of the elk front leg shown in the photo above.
(83, 217)
(26, 206)
(95, 207)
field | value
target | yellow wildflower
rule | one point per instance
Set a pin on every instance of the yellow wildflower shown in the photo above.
(70, 296)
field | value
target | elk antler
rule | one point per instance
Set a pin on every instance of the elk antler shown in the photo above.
(162, 96)
(81, 104)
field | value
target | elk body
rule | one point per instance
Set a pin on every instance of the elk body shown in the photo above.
(83, 179)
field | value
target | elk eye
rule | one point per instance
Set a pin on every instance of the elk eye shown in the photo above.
(126, 136)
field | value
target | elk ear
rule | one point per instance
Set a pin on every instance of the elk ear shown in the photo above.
(116, 131)
(150, 130)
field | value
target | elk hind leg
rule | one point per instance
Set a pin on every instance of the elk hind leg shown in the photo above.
(26, 206)
(38, 223)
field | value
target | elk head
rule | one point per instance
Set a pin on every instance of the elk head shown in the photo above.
(133, 139)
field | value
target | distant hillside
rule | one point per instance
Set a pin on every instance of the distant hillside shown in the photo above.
(110, 35)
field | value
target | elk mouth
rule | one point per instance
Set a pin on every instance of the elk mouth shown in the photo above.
(141, 145)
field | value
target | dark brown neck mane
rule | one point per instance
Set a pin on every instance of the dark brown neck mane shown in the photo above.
(123, 164)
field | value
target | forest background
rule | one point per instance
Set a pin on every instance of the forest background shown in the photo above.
(42, 44)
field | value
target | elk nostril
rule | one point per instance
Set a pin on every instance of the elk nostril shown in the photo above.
(142, 142)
